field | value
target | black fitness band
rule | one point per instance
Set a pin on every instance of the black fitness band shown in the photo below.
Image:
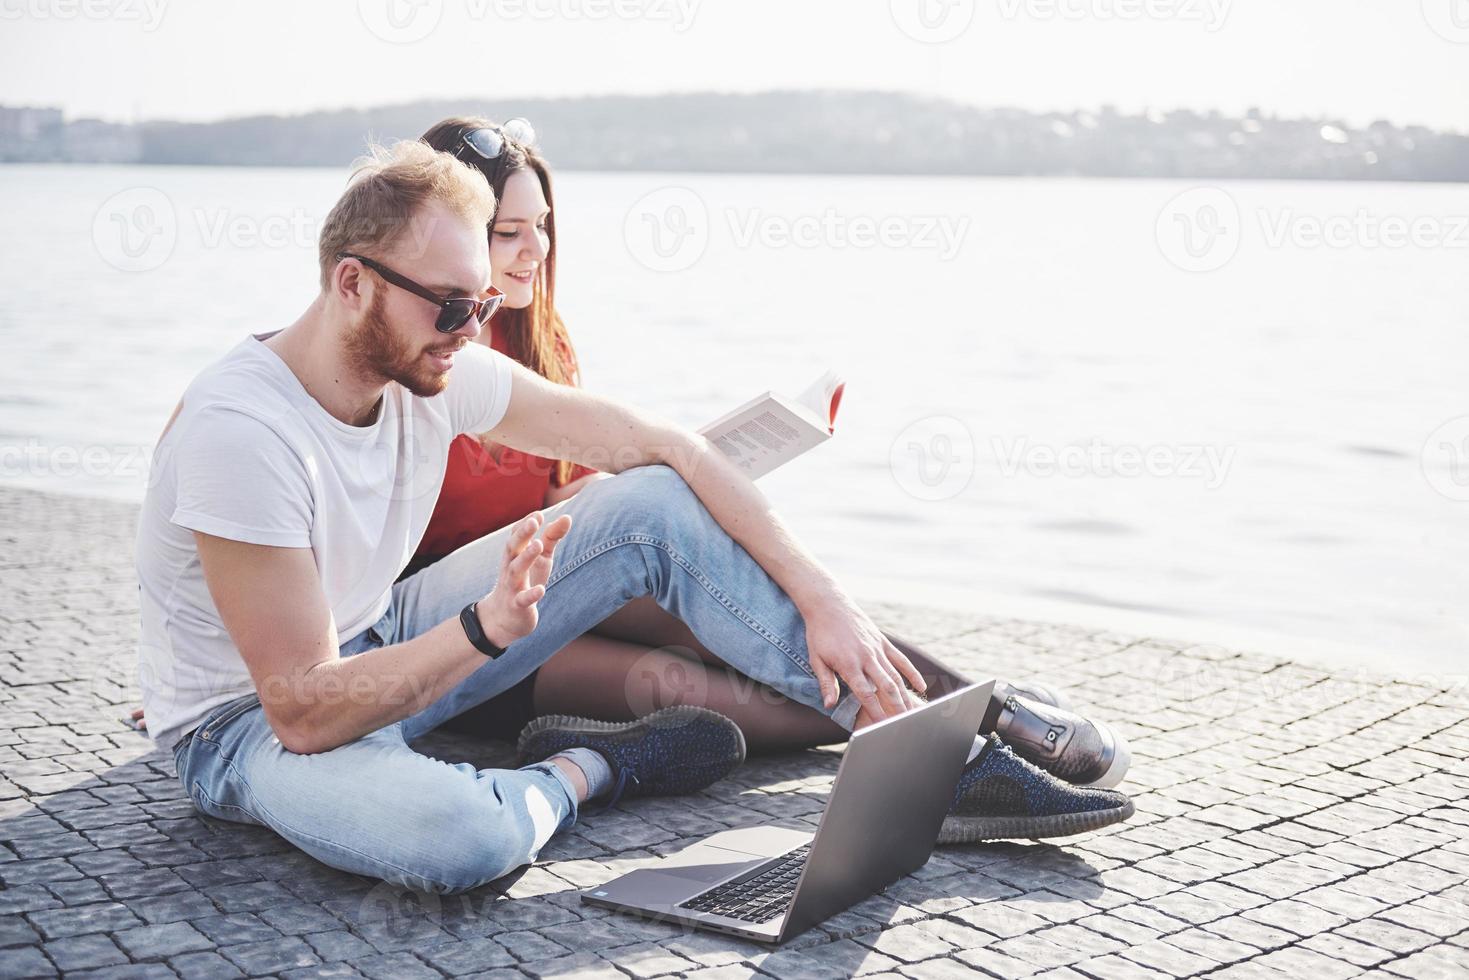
(469, 619)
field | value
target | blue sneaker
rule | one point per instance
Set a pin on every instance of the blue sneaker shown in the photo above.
(677, 750)
(1002, 797)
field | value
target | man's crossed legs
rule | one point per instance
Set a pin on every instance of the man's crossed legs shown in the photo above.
(376, 807)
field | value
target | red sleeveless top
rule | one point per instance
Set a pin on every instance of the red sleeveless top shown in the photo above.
(482, 494)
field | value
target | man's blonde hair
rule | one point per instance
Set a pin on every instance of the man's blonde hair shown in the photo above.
(388, 187)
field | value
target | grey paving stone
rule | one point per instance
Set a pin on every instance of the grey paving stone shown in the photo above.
(395, 966)
(234, 930)
(322, 971)
(1252, 933)
(1114, 967)
(84, 953)
(1348, 950)
(250, 896)
(1442, 962)
(102, 917)
(27, 898)
(299, 918)
(468, 956)
(173, 907)
(528, 946)
(1302, 962)
(25, 961)
(80, 892)
(271, 956)
(647, 959)
(339, 944)
(938, 968)
(132, 971)
(157, 942)
(1388, 935)
(578, 966)
(205, 966)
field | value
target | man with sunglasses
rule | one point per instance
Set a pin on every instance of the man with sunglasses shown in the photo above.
(288, 671)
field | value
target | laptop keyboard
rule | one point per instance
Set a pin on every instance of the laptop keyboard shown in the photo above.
(758, 898)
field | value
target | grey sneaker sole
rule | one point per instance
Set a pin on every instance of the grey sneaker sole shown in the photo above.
(679, 779)
(672, 717)
(973, 830)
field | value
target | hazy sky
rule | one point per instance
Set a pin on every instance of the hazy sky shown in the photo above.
(1403, 60)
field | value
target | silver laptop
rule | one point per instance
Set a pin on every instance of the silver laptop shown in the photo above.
(892, 791)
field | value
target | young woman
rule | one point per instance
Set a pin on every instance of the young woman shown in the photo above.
(642, 658)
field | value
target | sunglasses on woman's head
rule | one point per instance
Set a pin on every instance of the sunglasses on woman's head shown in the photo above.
(489, 141)
(454, 312)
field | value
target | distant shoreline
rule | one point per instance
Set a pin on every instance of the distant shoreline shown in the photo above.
(1120, 178)
(817, 132)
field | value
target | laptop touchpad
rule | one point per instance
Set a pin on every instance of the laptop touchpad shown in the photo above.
(711, 870)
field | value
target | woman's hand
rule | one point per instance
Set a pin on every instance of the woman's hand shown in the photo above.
(509, 611)
(139, 722)
(843, 643)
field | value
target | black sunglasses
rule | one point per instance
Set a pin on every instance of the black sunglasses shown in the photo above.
(454, 312)
(489, 141)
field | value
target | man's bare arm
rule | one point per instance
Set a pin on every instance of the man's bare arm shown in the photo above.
(273, 606)
(569, 423)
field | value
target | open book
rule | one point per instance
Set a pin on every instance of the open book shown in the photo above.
(771, 429)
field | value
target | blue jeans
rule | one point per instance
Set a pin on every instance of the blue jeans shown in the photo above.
(376, 807)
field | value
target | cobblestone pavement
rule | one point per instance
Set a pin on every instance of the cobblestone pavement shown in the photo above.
(1292, 821)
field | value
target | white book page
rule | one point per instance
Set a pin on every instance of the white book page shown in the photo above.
(766, 432)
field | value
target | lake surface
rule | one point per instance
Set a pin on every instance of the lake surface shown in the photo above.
(1234, 414)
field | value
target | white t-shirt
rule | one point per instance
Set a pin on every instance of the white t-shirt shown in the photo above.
(253, 457)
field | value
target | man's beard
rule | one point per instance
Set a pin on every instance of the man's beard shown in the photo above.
(376, 350)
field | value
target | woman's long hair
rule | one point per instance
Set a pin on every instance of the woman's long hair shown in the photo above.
(536, 335)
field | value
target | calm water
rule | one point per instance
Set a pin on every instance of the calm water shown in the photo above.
(1057, 405)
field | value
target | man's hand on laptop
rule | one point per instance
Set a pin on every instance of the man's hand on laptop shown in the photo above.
(509, 611)
(842, 642)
